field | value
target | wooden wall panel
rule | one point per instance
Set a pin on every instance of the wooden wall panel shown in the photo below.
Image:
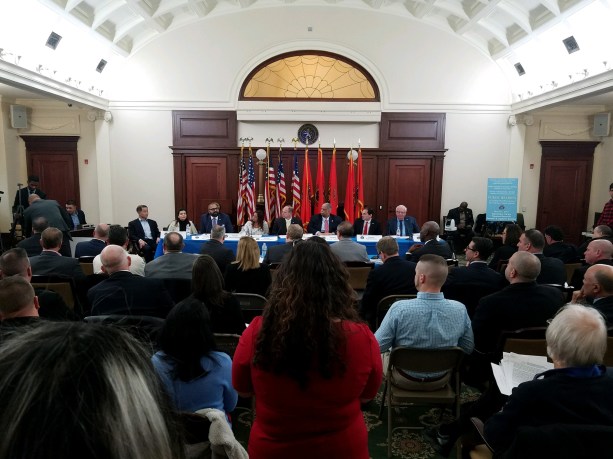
(412, 131)
(206, 129)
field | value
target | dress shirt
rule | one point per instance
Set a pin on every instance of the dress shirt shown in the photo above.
(146, 228)
(75, 220)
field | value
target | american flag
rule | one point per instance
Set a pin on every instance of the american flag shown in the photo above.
(280, 190)
(296, 187)
(271, 185)
(250, 186)
(242, 191)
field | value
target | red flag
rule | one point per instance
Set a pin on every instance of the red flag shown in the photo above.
(359, 203)
(349, 193)
(242, 191)
(333, 186)
(307, 189)
(319, 186)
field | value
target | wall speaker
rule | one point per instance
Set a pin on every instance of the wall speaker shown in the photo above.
(602, 123)
(19, 117)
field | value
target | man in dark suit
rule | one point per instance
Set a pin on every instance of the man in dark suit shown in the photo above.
(280, 225)
(552, 269)
(396, 276)
(464, 222)
(174, 264)
(403, 224)
(22, 195)
(126, 293)
(598, 252)
(367, 224)
(597, 290)
(600, 232)
(32, 244)
(324, 222)
(76, 215)
(431, 245)
(276, 253)
(50, 262)
(557, 248)
(56, 217)
(144, 232)
(94, 246)
(214, 217)
(214, 247)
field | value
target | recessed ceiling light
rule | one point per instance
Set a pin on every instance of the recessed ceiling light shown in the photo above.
(101, 66)
(520, 69)
(53, 40)
(571, 44)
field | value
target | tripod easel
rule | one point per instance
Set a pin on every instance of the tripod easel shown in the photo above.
(17, 218)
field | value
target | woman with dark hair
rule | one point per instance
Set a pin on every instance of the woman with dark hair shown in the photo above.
(247, 274)
(194, 373)
(70, 389)
(510, 238)
(310, 362)
(182, 223)
(256, 226)
(208, 288)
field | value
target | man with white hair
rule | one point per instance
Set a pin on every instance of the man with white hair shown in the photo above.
(402, 224)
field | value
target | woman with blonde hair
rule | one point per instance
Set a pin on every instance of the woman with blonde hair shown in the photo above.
(247, 274)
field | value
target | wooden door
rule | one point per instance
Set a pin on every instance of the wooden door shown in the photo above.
(206, 182)
(564, 187)
(409, 184)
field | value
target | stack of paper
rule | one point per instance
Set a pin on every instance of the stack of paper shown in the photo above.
(515, 369)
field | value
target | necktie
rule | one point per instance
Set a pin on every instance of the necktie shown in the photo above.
(365, 228)
(214, 221)
(326, 227)
(401, 223)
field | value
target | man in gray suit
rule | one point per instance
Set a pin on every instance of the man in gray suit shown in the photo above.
(345, 248)
(51, 262)
(174, 264)
(56, 216)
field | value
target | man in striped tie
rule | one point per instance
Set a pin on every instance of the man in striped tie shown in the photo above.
(367, 224)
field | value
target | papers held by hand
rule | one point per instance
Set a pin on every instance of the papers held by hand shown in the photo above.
(515, 369)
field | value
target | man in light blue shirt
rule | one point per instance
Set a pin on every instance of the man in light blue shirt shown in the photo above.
(429, 321)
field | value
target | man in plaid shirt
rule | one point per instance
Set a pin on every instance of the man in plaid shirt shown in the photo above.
(606, 217)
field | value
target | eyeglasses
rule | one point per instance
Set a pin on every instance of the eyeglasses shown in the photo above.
(213, 209)
(470, 248)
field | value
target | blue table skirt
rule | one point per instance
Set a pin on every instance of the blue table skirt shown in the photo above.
(193, 246)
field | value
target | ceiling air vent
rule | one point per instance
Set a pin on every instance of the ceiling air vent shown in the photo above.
(101, 66)
(520, 69)
(571, 44)
(53, 40)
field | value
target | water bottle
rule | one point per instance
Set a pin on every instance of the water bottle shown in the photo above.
(264, 250)
(397, 229)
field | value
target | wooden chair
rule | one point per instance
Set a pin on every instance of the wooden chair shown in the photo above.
(386, 303)
(63, 286)
(570, 270)
(227, 342)
(358, 274)
(529, 341)
(252, 305)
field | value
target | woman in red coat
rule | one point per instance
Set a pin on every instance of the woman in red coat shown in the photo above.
(309, 361)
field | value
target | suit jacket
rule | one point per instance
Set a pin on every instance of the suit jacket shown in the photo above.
(516, 306)
(395, 276)
(605, 306)
(222, 255)
(552, 270)
(410, 226)
(276, 253)
(347, 250)
(173, 265)
(206, 223)
(468, 216)
(373, 228)
(565, 252)
(255, 280)
(136, 231)
(80, 216)
(52, 306)
(31, 245)
(476, 273)
(433, 247)
(24, 193)
(504, 252)
(89, 248)
(56, 215)
(316, 221)
(128, 294)
(279, 226)
(577, 279)
(50, 263)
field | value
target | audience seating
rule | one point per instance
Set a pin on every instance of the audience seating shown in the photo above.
(529, 341)
(386, 302)
(87, 264)
(469, 294)
(570, 270)
(421, 361)
(143, 328)
(227, 342)
(64, 286)
(252, 305)
(358, 273)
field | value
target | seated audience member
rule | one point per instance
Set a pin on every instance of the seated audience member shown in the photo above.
(308, 345)
(195, 374)
(402, 225)
(576, 391)
(557, 248)
(464, 222)
(597, 290)
(598, 252)
(94, 246)
(174, 264)
(600, 232)
(430, 244)
(552, 269)
(144, 232)
(346, 249)
(76, 215)
(325, 222)
(510, 237)
(208, 288)
(280, 225)
(182, 223)
(56, 217)
(32, 244)
(427, 322)
(15, 262)
(395, 277)
(247, 274)
(50, 262)
(126, 293)
(367, 224)
(213, 218)
(119, 236)
(92, 391)
(276, 253)
(214, 247)
(18, 305)
(256, 226)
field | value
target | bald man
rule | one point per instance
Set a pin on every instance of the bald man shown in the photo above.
(597, 289)
(94, 246)
(281, 225)
(126, 293)
(430, 244)
(598, 252)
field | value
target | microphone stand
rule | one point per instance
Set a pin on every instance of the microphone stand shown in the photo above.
(17, 217)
